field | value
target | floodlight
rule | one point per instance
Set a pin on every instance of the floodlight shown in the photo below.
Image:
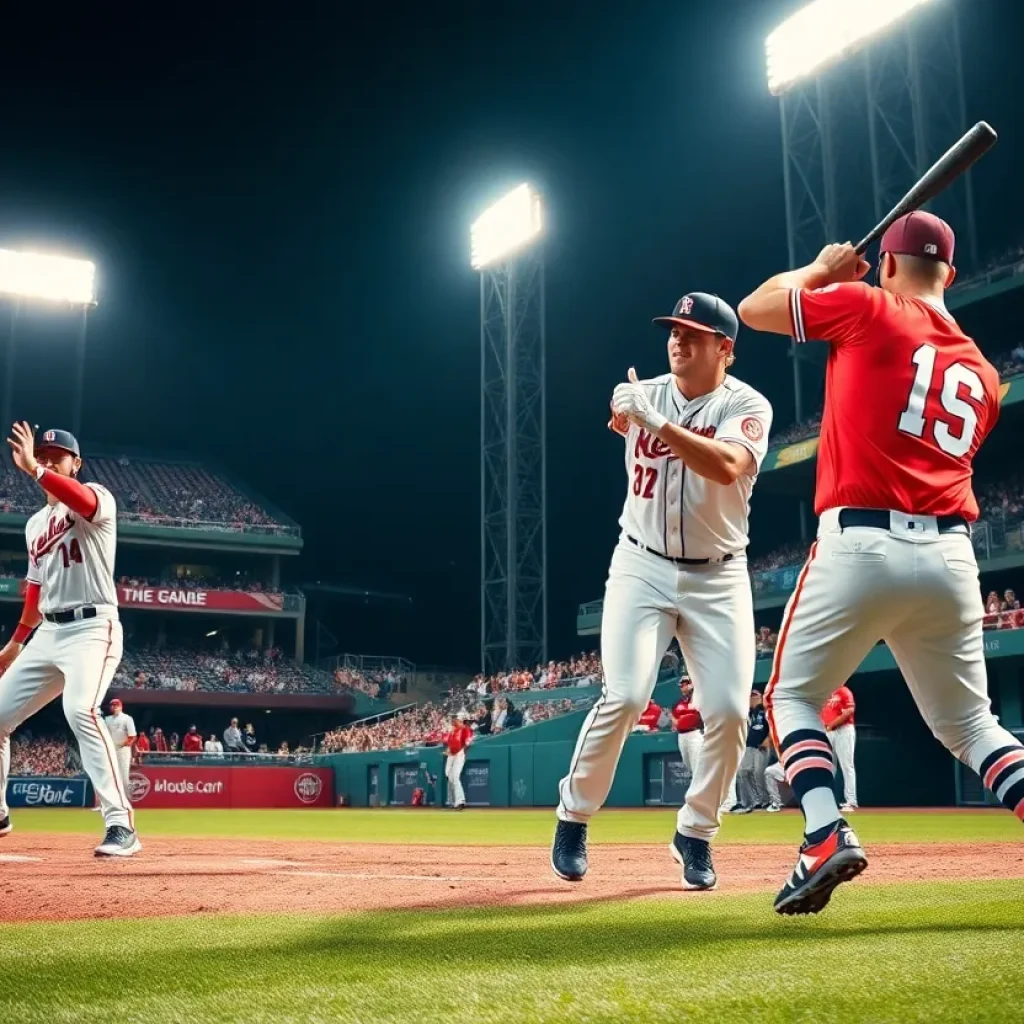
(34, 275)
(509, 224)
(823, 32)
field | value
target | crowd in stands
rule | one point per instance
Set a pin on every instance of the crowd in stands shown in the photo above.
(1003, 498)
(379, 684)
(161, 493)
(796, 431)
(584, 670)
(787, 555)
(426, 724)
(248, 586)
(250, 671)
(1003, 612)
(40, 755)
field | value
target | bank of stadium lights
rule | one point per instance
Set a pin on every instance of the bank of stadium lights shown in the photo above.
(31, 275)
(824, 32)
(505, 227)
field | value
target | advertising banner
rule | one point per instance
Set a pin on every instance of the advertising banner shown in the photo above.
(231, 786)
(181, 599)
(36, 791)
(476, 781)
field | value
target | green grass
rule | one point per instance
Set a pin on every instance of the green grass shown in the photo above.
(515, 827)
(924, 952)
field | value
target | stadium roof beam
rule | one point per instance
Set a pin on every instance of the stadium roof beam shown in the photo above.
(513, 432)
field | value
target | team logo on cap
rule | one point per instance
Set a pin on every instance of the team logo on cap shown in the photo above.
(685, 305)
(752, 428)
(49, 435)
(931, 248)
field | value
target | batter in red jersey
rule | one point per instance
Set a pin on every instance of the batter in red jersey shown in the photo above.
(455, 744)
(909, 399)
(689, 726)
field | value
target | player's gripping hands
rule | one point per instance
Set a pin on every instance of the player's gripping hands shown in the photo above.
(841, 262)
(630, 400)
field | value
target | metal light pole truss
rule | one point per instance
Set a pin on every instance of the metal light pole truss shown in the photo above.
(513, 484)
(856, 137)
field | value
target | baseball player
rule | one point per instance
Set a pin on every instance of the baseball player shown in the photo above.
(687, 721)
(695, 438)
(455, 743)
(70, 597)
(909, 399)
(774, 776)
(123, 734)
(838, 718)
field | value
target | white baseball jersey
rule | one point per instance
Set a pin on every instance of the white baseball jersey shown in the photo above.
(679, 513)
(121, 727)
(71, 558)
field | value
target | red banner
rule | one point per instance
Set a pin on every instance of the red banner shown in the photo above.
(243, 786)
(176, 598)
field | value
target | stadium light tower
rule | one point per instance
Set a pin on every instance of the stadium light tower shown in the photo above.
(869, 97)
(513, 459)
(30, 277)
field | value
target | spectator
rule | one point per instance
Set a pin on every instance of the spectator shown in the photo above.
(213, 745)
(159, 741)
(233, 742)
(192, 742)
(249, 739)
(483, 720)
(142, 745)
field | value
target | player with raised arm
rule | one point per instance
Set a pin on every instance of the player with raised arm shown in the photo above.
(695, 438)
(909, 399)
(71, 604)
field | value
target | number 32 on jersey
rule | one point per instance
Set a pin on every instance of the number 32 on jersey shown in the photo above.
(956, 436)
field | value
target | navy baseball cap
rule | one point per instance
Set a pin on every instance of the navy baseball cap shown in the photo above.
(704, 312)
(58, 439)
(920, 234)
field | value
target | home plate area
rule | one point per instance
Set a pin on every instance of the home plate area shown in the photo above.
(48, 877)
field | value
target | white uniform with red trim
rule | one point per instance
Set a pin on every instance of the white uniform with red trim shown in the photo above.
(121, 727)
(672, 513)
(72, 559)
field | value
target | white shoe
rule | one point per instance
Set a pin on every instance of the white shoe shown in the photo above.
(119, 842)
(773, 808)
(848, 808)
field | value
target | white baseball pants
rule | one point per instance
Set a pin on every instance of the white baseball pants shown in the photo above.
(774, 775)
(690, 744)
(844, 739)
(453, 765)
(124, 766)
(910, 586)
(77, 659)
(709, 609)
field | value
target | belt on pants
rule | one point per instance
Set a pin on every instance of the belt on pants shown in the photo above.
(677, 561)
(71, 614)
(878, 519)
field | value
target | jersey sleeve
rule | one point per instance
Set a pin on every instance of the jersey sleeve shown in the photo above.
(131, 725)
(847, 702)
(34, 574)
(837, 313)
(106, 508)
(748, 424)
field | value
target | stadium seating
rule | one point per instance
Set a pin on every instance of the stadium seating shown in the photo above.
(161, 493)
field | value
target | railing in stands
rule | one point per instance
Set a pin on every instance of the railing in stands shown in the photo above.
(263, 529)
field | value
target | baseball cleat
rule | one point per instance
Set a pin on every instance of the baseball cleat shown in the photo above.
(773, 808)
(695, 857)
(569, 851)
(848, 808)
(819, 869)
(5, 825)
(740, 809)
(118, 842)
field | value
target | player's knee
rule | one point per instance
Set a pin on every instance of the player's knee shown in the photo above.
(79, 715)
(625, 706)
(960, 737)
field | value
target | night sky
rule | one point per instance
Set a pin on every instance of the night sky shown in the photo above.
(280, 210)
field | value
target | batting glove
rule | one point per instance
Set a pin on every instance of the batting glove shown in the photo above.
(630, 400)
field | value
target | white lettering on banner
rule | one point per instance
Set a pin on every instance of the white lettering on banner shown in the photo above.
(44, 793)
(182, 787)
(161, 595)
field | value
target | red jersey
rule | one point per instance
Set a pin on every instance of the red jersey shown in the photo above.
(685, 717)
(192, 743)
(458, 739)
(650, 716)
(909, 398)
(142, 743)
(840, 701)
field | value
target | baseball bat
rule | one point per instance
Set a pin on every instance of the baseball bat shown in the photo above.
(957, 159)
